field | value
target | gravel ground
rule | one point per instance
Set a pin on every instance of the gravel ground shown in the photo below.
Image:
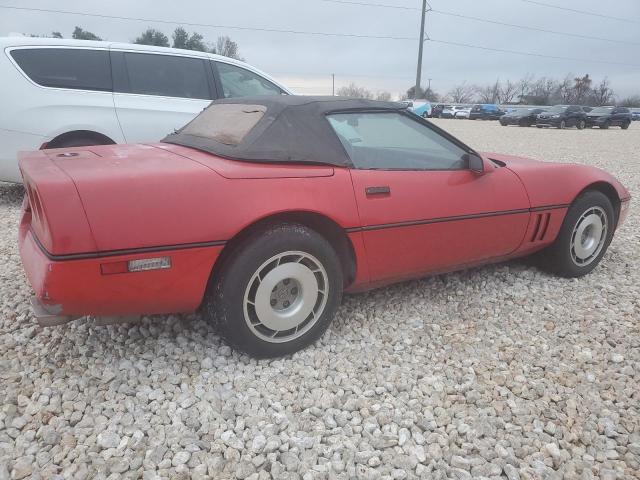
(495, 372)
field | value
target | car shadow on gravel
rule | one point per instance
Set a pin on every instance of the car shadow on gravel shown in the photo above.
(11, 193)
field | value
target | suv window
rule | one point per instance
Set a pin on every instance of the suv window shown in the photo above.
(165, 75)
(394, 141)
(76, 68)
(622, 110)
(240, 82)
(574, 109)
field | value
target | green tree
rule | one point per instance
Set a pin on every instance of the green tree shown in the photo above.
(56, 35)
(80, 34)
(182, 39)
(152, 37)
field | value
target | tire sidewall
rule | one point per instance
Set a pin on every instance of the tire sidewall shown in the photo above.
(560, 252)
(225, 297)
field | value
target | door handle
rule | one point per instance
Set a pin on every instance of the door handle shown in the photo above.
(381, 190)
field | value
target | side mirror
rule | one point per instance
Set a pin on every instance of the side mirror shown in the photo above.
(475, 162)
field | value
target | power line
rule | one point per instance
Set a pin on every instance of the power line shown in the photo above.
(364, 4)
(313, 33)
(529, 54)
(583, 12)
(485, 20)
(192, 24)
(535, 29)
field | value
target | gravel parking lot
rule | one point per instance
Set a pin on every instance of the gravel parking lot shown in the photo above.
(496, 372)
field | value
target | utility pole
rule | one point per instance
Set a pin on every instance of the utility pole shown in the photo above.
(420, 45)
(333, 84)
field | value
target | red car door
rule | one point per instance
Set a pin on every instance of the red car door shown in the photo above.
(417, 222)
(422, 209)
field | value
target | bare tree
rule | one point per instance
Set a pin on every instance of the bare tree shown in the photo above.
(508, 91)
(489, 93)
(541, 91)
(524, 85)
(227, 47)
(462, 93)
(353, 90)
(564, 92)
(581, 88)
(603, 94)
(632, 101)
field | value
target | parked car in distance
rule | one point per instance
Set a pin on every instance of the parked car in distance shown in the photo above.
(562, 116)
(451, 110)
(605, 117)
(63, 93)
(265, 238)
(462, 113)
(485, 111)
(523, 117)
(438, 108)
(422, 108)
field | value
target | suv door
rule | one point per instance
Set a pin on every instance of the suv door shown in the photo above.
(421, 208)
(155, 93)
(574, 115)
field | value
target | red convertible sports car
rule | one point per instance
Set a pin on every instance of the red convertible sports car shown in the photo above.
(263, 210)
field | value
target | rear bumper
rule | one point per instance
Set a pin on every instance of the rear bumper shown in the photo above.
(68, 289)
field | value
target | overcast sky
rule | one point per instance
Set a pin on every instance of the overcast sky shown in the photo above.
(305, 62)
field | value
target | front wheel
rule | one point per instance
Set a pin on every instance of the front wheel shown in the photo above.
(625, 125)
(584, 237)
(581, 125)
(277, 292)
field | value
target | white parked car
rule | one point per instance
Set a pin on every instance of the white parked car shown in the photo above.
(62, 93)
(452, 111)
(462, 113)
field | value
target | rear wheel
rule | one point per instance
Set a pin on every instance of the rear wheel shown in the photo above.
(581, 124)
(584, 237)
(78, 141)
(625, 125)
(277, 292)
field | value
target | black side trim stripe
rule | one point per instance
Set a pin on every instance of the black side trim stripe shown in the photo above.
(412, 223)
(126, 251)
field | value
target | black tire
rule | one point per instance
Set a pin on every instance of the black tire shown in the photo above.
(558, 257)
(224, 302)
(562, 125)
(625, 125)
(581, 124)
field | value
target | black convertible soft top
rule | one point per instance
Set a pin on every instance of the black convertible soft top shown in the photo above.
(274, 129)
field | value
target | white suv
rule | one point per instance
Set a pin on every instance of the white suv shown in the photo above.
(62, 93)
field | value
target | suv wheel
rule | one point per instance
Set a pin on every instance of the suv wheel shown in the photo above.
(625, 125)
(581, 124)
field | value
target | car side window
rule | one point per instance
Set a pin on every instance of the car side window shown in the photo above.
(240, 82)
(76, 68)
(165, 75)
(394, 141)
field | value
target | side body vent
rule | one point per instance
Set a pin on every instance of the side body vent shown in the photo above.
(540, 228)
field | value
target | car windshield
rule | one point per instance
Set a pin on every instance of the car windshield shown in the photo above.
(602, 110)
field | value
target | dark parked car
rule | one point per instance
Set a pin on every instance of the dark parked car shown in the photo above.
(635, 115)
(525, 117)
(436, 111)
(485, 111)
(605, 117)
(562, 116)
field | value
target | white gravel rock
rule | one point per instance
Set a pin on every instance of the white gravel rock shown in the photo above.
(497, 371)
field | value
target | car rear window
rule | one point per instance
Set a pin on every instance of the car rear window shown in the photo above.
(225, 123)
(166, 75)
(76, 68)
